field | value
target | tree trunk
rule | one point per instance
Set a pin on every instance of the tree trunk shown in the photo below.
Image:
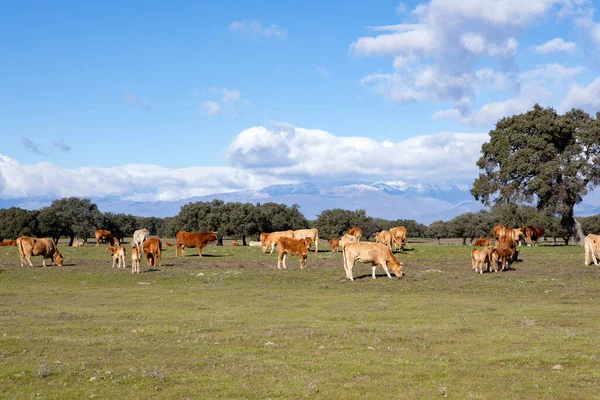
(220, 241)
(244, 240)
(464, 241)
(572, 225)
(71, 239)
(566, 239)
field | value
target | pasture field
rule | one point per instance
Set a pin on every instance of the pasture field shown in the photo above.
(230, 325)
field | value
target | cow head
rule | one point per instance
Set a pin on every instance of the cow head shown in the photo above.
(58, 258)
(396, 266)
(307, 242)
(212, 237)
(264, 246)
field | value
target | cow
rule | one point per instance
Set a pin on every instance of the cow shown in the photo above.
(136, 257)
(286, 245)
(506, 252)
(533, 235)
(152, 247)
(270, 239)
(312, 233)
(481, 258)
(384, 237)
(118, 256)
(8, 243)
(499, 230)
(139, 236)
(592, 248)
(198, 240)
(399, 237)
(169, 244)
(482, 242)
(78, 244)
(44, 247)
(356, 232)
(370, 253)
(234, 244)
(335, 244)
(515, 233)
(105, 235)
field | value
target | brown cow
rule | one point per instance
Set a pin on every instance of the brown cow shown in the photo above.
(152, 248)
(136, 258)
(270, 239)
(8, 243)
(481, 258)
(286, 245)
(234, 244)
(506, 252)
(515, 233)
(169, 244)
(312, 233)
(499, 230)
(370, 253)
(198, 240)
(384, 237)
(118, 256)
(78, 244)
(399, 237)
(533, 235)
(592, 248)
(45, 247)
(335, 244)
(105, 235)
(482, 242)
(356, 232)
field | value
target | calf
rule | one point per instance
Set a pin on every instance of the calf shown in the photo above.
(592, 248)
(118, 256)
(479, 259)
(78, 244)
(482, 242)
(287, 246)
(136, 258)
(370, 253)
(335, 244)
(8, 243)
(152, 247)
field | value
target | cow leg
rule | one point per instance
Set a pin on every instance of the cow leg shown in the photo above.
(200, 251)
(385, 268)
(284, 257)
(348, 266)
(43, 261)
(317, 246)
(28, 258)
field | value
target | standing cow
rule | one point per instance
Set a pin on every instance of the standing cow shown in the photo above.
(44, 247)
(104, 235)
(198, 240)
(376, 254)
(139, 236)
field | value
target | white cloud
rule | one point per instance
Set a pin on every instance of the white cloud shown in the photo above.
(133, 181)
(587, 97)
(555, 45)
(322, 71)
(228, 96)
(254, 27)
(211, 107)
(302, 154)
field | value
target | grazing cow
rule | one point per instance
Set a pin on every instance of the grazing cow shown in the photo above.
(399, 237)
(533, 235)
(270, 239)
(118, 256)
(514, 233)
(370, 253)
(481, 258)
(78, 244)
(198, 240)
(152, 247)
(356, 232)
(139, 236)
(506, 252)
(384, 237)
(335, 244)
(136, 257)
(104, 235)
(286, 245)
(45, 247)
(499, 230)
(8, 243)
(482, 242)
(592, 248)
(313, 234)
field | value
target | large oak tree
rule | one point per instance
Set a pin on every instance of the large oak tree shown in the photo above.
(544, 158)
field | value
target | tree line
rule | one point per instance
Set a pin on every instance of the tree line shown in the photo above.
(78, 218)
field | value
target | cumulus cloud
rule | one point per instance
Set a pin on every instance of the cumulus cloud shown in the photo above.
(555, 45)
(299, 153)
(587, 97)
(132, 181)
(131, 98)
(210, 107)
(255, 28)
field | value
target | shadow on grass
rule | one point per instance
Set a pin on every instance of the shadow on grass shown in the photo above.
(365, 276)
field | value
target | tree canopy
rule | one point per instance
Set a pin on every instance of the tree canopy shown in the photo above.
(541, 157)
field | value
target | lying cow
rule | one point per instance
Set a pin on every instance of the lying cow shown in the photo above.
(592, 248)
(286, 245)
(78, 244)
(198, 240)
(335, 244)
(370, 253)
(8, 243)
(482, 242)
(152, 247)
(44, 247)
(118, 256)
(136, 258)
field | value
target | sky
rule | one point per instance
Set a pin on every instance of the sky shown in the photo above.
(171, 100)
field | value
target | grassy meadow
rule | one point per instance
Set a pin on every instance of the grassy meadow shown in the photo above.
(230, 325)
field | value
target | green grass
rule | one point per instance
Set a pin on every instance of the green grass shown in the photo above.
(230, 325)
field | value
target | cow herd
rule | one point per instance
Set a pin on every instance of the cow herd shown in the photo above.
(298, 242)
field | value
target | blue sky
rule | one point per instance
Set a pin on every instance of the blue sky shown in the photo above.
(176, 99)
